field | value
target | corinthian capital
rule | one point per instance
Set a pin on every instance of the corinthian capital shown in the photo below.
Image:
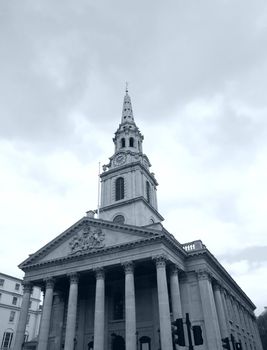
(99, 273)
(128, 267)
(27, 287)
(203, 274)
(49, 283)
(74, 278)
(160, 260)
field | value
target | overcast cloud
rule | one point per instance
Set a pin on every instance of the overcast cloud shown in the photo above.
(198, 82)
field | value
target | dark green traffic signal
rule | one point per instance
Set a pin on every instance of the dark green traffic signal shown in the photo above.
(226, 343)
(197, 333)
(178, 331)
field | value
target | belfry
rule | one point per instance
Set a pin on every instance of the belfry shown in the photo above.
(120, 280)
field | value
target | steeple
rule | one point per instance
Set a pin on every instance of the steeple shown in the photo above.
(128, 188)
(127, 110)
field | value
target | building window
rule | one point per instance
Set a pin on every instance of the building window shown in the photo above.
(148, 192)
(123, 142)
(118, 306)
(131, 142)
(17, 285)
(119, 188)
(12, 316)
(0, 296)
(7, 339)
(119, 219)
(30, 305)
(2, 281)
(28, 318)
(26, 336)
(14, 301)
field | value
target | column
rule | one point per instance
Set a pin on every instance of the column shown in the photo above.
(163, 300)
(130, 313)
(72, 312)
(46, 315)
(209, 311)
(175, 293)
(99, 324)
(27, 288)
(226, 313)
(220, 310)
(257, 335)
(58, 314)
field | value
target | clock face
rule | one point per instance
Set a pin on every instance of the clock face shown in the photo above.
(120, 159)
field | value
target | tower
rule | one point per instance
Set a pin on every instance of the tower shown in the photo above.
(128, 188)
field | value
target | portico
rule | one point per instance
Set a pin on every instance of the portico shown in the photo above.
(117, 281)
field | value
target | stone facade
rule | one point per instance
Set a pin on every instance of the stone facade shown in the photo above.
(11, 304)
(118, 281)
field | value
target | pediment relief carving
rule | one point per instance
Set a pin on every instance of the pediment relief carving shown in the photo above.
(88, 238)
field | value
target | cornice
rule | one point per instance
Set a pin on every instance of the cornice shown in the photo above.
(130, 201)
(227, 279)
(102, 251)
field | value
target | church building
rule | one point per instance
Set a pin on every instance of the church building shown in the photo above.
(119, 280)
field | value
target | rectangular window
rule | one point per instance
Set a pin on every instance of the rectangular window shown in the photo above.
(2, 281)
(17, 285)
(7, 339)
(12, 316)
(28, 318)
(14, 300)
(0, 296)
(30, 305)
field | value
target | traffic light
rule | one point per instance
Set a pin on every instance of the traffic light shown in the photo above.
(178, 331)
(197, 333)
(238, 346)
(226, 343)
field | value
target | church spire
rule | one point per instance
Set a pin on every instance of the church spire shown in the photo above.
(127, 111)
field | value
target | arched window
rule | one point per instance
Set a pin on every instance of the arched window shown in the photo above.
(119, 188)
(123, 142)
(119, 219)
(148, 192)
(131, 142)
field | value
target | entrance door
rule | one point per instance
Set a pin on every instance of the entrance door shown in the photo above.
(118, 343)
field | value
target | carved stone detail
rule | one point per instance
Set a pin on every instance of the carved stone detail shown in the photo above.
(128, 267)
(160, 260)
(74, 278)
(203, 274)
(27, 287)
(99, 273)
(174, 269)
(90, 238)
(49, 283)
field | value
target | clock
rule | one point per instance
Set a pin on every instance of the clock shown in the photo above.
(120, 159)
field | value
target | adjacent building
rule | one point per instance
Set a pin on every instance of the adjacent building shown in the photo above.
(11, 292)
(118, 281)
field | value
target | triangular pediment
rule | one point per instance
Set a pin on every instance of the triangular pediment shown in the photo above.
(88, 236)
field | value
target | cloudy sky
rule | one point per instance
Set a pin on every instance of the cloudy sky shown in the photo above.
(197, 73)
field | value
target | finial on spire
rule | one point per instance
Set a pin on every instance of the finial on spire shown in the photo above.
(126, 86)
